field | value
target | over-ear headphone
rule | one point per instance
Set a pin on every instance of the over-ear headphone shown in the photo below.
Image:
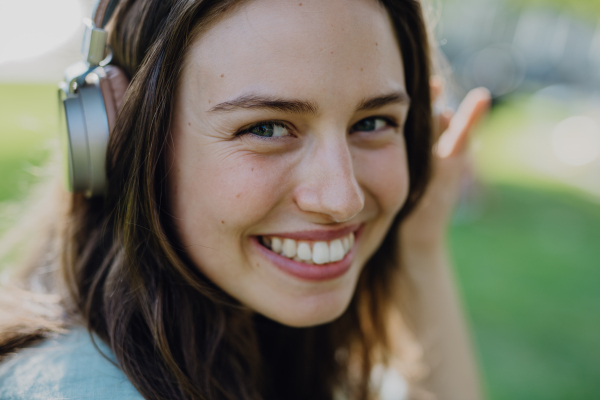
(91, 96)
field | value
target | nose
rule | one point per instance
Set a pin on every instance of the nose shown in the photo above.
(328, 185)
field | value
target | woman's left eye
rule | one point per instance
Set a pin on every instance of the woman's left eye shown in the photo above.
(370, 124)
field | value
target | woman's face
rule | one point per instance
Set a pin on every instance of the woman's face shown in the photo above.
(288, 138)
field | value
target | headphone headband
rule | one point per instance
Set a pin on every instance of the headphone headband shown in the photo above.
(103, 10)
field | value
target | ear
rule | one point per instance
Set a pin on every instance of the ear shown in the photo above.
(113, 87)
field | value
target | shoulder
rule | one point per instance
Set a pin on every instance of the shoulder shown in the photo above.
(65, 367)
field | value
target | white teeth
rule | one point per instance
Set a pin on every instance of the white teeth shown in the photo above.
(336, 250)
(304, 252)
(320, 253)
(298, 259)
(276, 245)
(289, 248)
(346, 244)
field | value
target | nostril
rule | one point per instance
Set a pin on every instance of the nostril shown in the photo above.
(348, 208)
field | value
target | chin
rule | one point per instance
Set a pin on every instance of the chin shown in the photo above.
(312, 311)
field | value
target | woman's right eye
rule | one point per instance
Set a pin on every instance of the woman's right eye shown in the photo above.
(268, 129)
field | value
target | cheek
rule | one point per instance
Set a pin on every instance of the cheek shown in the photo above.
(219, 192)
(383, 173)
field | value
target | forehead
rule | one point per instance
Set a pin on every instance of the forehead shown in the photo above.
(321, 50)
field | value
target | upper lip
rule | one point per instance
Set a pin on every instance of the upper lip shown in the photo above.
(316, 235)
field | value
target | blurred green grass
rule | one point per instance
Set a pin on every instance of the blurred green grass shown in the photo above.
(582, 9)
(529, 270)
(527, 262)
(28, 129)
(586, 10)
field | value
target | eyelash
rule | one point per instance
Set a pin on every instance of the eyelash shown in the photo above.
(244, 131)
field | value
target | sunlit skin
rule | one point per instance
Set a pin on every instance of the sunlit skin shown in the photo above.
(329, 169)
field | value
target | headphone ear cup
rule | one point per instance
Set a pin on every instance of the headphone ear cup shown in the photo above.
(90, 116)
(113, 86)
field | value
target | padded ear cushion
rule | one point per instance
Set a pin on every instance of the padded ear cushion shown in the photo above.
(113, 86)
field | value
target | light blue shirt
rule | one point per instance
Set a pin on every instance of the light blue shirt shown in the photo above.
(69, 367)
(63, 368)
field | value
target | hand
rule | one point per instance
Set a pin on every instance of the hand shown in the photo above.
(426, 225)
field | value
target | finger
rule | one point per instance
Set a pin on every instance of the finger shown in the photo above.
(454, 140)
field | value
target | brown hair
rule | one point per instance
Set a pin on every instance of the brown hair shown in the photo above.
(173, 332)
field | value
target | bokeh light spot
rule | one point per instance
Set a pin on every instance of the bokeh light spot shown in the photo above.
(576, 141)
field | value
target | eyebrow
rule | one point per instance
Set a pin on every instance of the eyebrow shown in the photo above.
(399, 97)
(293, 106)
(268, 102)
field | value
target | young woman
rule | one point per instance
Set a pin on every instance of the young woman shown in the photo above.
(266, 232)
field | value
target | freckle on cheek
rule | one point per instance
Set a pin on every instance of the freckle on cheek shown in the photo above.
(222, 75)
(222, 222)
(238, 196)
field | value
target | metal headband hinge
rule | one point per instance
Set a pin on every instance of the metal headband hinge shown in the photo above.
(93, 47)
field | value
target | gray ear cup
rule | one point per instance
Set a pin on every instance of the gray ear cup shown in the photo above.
(85, 108)
(86, 137)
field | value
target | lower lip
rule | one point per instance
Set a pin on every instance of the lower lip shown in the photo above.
(309, 272)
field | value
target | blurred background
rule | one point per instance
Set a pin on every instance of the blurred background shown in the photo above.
(526, 236)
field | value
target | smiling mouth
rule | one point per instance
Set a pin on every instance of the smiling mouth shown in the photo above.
(309, 252)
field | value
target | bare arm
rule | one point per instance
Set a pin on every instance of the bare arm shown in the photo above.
(433, 304)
